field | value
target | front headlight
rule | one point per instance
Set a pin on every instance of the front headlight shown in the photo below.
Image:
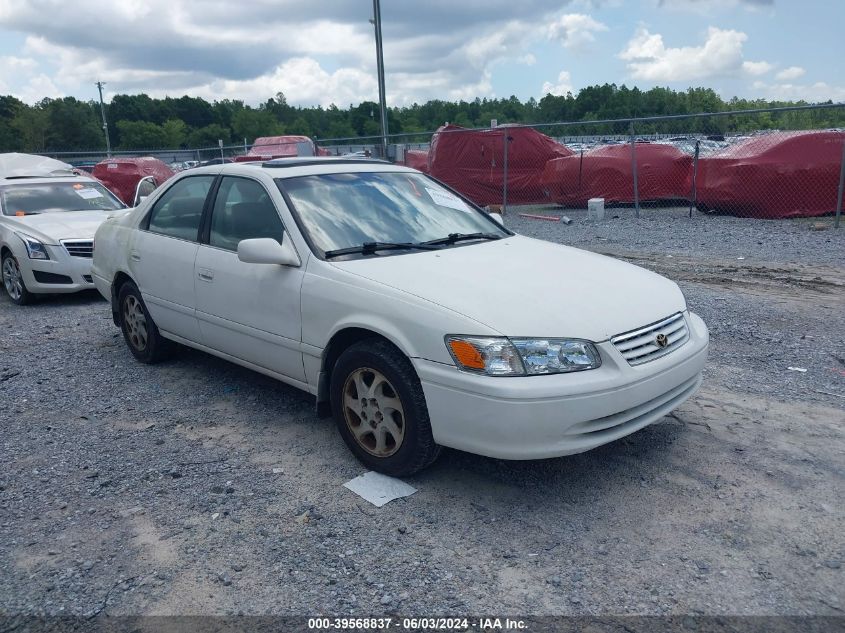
(499, 356)
(34, 248)
(555, 356)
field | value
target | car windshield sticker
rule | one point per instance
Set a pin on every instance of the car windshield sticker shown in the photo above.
(88, 194)
(111, 166)
(446, 199)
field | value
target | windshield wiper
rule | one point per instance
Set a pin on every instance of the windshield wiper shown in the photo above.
(460, 237)
(369, 248)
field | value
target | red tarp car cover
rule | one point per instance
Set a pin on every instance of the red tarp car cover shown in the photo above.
(417, 158)
(269, 147)
(471, 162)
(663, 173)
(783, 175)
(121, 175)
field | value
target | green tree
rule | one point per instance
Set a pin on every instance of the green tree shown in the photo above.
(207, 136)
(31, 124)
(141, 135)
(10, 107)
(249, 124)
(175, 133)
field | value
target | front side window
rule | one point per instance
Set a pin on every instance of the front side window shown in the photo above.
(344, 210)
(242, 211)
(179, 210)
(56, 197)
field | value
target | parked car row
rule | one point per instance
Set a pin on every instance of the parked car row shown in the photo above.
(367, 285)
(778, 175)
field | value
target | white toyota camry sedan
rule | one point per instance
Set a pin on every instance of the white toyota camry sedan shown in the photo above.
(47, 226)
(413, 316)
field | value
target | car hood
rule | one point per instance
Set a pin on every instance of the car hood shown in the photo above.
(52, 227)
(520, 286)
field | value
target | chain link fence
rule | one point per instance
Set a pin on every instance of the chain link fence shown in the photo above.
(178, 158)
(769, 164)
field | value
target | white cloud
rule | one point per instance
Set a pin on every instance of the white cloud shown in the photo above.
(720, 55)
(812, 93)
(757, 68)
(561, 88)
(575, 31)
(706, 7)
(36, 86)
(178, 46)
(788, 74)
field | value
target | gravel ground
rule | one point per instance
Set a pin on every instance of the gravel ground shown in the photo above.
(198, 487)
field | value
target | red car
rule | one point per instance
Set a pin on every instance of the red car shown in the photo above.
(132, 178)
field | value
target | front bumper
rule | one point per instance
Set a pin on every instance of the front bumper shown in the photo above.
(536, 417)
(41, 276)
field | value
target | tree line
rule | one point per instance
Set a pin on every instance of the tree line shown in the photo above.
(141, 122)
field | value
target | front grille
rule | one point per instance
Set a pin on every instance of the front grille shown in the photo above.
(79, 248)
(641, 346)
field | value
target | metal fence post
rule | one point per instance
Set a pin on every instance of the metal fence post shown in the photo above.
(693, 193)
(841, 185)
(634, 169)
(507, 140)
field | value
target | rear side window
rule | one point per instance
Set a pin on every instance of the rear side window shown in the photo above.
(179, 210)
(243, 210)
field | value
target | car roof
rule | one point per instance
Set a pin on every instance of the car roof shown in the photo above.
(301, 166)
(41, 180)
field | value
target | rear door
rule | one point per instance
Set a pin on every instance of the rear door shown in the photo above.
(249, 311)
(162, 254)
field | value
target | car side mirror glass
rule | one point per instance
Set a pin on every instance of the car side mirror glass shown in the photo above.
(266, 250)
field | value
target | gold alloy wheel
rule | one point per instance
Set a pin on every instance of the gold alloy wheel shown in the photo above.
(136, 322)
(373, 412)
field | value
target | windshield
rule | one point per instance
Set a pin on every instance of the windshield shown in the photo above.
(54, 197)
(344, 210)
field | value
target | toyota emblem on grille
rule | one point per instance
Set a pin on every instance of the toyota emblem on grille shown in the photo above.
(662, 340)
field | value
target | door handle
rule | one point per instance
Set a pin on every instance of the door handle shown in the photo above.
(205, 274)
(135, 255)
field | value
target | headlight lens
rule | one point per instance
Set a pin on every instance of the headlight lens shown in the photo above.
(493, 356)
(554, 356)
(499, 356)
(34, 248)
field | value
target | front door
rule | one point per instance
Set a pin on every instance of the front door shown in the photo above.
(249, 311)
(162, 255)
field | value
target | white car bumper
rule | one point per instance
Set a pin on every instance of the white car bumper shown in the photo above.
(59, 274)
(536, 417)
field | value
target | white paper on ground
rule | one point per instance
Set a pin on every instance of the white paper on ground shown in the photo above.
(379, 489)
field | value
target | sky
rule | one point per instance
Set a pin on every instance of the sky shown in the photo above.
(319, 52)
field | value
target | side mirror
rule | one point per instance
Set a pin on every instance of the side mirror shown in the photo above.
(143, 189)
(497, 217)
(266, 250)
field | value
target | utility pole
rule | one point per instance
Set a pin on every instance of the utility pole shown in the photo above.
(100, 85)
(380, 63)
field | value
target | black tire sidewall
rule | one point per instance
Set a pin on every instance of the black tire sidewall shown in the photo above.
(150, 353)
(417, 441)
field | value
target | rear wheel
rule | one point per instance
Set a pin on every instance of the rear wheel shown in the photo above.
(379, 408)
(13, 281)
(139, 330)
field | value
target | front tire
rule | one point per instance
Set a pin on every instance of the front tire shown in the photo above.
(379, 408)
(139, 330)
(13, 281)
